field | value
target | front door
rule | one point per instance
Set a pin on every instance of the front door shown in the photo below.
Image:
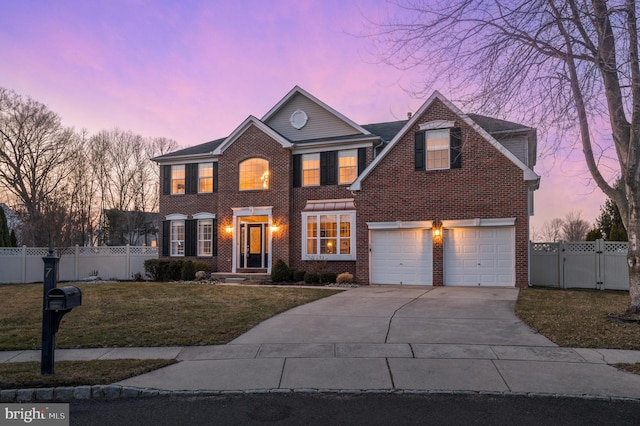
(253, 245)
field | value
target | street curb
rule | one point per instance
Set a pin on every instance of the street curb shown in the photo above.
(113, 392)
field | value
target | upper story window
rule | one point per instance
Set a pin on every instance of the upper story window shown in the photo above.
(437, 149)
(311, 169)
(205, 177)
(254, 174)
(177, 179)
(347, 166)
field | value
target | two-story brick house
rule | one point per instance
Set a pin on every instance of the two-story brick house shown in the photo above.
(442, 198)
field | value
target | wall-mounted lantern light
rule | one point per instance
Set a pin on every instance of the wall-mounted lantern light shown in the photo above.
(436, 229)
(274, 228)
(229, 229)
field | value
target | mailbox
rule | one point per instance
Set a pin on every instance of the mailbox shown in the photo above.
(63, 298)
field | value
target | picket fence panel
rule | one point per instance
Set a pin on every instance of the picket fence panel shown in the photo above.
(25, 265)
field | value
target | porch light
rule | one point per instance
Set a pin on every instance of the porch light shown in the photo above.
(229, 229)
(274, 228)
(436, 229)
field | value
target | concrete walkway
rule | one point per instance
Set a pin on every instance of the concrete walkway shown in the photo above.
(386, 338)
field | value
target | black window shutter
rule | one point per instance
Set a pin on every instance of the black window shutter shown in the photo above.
(190, 237)
(166, 229)
(419, 152)
(214, 243)
(215, 177)
(191, 179)
(328, 167)
(362, 159)
(297, 170)
(456, 148)
(166, 180)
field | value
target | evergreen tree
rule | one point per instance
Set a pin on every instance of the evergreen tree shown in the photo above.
(13, 240)
(610, 223)
(4, 230)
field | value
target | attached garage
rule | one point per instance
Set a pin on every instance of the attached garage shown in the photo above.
(479, 256)
(401, 256)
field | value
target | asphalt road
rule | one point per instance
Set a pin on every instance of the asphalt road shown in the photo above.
(354, 409)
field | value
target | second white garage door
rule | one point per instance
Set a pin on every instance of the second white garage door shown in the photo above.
(479, 256)
(402, 256)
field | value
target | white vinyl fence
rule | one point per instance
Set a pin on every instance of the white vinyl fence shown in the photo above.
(25, 265)
(599, 264)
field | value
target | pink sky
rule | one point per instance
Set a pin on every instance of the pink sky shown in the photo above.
(194, 70)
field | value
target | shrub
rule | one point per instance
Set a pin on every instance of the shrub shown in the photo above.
(344, 278)
(280, 272)
(328, 277)
(199, 265)
(163, 269)
(298, 275)
(188, 272)
(311, 278)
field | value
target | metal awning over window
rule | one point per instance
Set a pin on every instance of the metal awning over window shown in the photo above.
(329, 205)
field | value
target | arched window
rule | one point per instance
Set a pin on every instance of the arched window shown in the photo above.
(254, 174)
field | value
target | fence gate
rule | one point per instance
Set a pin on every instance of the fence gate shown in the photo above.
(580, 264)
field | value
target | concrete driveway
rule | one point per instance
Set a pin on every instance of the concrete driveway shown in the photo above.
(390, 338)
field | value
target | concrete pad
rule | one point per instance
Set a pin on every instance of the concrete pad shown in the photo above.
(295, 350)
(464, 331)
(386, 291)
(8, 356)
(446, 374)
(568, 378)
(336, 373)
(458, 308)
(444, 351)
(373, 350)
(80, 354)
(477, 293)
(532, 353)
(225, 374)
(195, 353)
(169, 352)
(362, 307)
(615, 356)
(28, 356)
(317, 329)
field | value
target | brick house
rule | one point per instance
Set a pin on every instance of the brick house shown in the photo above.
(442, 198)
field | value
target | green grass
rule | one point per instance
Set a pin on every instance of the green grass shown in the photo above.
(23, 375)
(579, 318)
(146, 314)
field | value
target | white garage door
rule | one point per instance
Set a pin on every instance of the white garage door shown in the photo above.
(401, 256)
(479, 256)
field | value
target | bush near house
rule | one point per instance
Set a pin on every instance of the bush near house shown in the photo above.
(298, 275)
(280, 272)
(344, 278)
(173, 270)
(328, 277)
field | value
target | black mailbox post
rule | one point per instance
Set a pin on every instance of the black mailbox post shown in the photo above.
(56, 303)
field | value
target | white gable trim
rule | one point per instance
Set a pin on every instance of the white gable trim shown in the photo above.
(251, 121)
(301, 91)
(176, 216)
(204, 215)
(528, 174)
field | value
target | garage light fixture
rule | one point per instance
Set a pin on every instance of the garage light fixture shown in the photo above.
(436, 229)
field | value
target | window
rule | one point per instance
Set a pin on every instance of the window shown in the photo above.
(437, 149)
(329, 235)
(177, 238)
(205, 237)
(177, 179)
(311, 170)
(254, 174)
(347, 166)
(205, 177)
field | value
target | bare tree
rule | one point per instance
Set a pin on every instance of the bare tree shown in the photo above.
(563, 64)
(35, 150)
(574, 228)
(552, 231)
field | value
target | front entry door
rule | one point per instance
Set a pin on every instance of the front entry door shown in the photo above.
(254, 245)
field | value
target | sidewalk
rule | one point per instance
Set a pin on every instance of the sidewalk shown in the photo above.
(385, 339)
